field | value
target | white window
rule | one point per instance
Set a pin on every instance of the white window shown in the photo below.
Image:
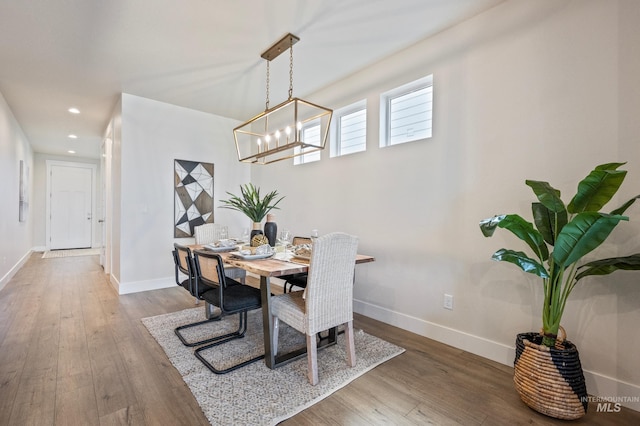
(406, 112)
(349, 129)
(310, 134)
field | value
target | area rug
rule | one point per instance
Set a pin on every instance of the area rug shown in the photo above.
(255, 394)
(70, 252)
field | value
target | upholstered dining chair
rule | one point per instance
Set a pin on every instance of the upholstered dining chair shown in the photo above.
(212, 232)
(230, 297)
(209, 233)
(300, 279)
(326, 302)
(183, 258)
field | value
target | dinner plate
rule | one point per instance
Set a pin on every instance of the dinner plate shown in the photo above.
(216, 249)
(250, 256)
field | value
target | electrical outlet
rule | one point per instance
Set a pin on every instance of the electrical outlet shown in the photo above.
(448, 302)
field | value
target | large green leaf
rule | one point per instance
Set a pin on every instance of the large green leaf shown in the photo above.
(548, 223)
(625, 206)
(607, 266)
(488, 226)
(609, 166)
(547, 195)
(527, 233)
(585, 232)
(597, 188)
(521, 260)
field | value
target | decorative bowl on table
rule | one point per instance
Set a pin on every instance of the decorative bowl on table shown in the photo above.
(250, 253)
(222, 246)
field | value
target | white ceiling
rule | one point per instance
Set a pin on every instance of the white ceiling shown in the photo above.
(201, 54)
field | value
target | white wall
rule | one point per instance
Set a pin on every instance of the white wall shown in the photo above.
(153, 134)
(528, 90)
(114, 224)
(15, 236)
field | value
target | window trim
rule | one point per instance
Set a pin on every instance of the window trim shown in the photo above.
(336, 122)
(385, 110)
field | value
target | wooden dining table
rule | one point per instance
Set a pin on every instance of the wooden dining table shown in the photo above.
(278, 265)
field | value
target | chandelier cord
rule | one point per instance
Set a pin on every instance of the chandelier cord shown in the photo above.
(266, 107)
(291, 70)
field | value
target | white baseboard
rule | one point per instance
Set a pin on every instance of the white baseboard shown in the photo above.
(609, 389)
(114, 283)
(627, 394)
(7, 277)
(137, 286)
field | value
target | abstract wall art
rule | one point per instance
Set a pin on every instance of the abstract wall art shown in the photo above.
(193, 200)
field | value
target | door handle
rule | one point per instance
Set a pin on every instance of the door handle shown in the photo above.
(100, 220)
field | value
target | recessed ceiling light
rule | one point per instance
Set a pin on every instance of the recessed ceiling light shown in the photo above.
(74, 110)
(72, 136)
(71, 151)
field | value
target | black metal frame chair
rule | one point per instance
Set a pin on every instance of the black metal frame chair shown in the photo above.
(230, 297)
(183, 265)
(300, 279)
(183, 259)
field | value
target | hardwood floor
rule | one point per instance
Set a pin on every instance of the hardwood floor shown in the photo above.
(72, 352)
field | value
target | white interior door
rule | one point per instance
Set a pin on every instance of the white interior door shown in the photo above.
(71, 202)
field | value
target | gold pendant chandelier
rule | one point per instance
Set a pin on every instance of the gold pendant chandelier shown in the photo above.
(294, 127)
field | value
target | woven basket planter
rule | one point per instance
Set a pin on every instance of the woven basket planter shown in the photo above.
(550, 380)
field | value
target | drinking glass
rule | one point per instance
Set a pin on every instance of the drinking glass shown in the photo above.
(224, 233)
(285, 237)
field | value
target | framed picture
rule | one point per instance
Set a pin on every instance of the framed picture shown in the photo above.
(193, 199)
(23, 202)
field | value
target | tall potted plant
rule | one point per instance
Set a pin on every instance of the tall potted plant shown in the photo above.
(562, 236)
(252, 204)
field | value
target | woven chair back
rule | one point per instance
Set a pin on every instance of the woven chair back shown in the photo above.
(210, 268)
(185, 259)
(210, 233)
(329, 292)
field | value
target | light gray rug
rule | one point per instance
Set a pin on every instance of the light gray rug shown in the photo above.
(256, 395)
